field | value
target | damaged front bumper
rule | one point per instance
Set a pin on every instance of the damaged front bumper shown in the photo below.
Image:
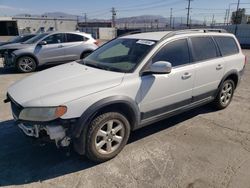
(8, 59)
(56, 133)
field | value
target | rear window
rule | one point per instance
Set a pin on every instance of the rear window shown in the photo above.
(204, 48)
(75, 38)
(227, 45)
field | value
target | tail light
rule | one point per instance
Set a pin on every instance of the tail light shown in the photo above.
(96, 42)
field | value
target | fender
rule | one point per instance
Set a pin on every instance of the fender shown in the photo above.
(26, 54)
(231, 72)
(81, 126)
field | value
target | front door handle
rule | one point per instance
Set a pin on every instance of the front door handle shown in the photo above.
(186, 75)
(60, 46)
(219, 67)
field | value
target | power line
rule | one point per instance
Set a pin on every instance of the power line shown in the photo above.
(144, 4)
(150, 7)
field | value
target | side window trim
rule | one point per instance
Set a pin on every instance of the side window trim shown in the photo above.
(218, 53)
(161, 47)
(54, 35)
(238, 49)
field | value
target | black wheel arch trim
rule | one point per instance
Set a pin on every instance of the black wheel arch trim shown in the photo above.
(81, 126)
(229, 73)
(26, 54)
(93, 109)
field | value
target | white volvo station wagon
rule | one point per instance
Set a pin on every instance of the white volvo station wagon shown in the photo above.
(130, 82)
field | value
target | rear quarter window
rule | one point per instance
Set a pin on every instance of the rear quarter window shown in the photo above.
(227, 45)
(75, 38)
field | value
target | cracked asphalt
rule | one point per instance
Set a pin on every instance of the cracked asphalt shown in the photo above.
(198, 149)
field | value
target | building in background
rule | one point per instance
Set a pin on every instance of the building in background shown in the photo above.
(240, 17)
(12, 26)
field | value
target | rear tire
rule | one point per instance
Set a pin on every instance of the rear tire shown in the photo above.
(225, 94)
(107, 135)
(26, 64)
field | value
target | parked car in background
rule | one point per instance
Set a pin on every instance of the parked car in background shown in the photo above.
(16, 39)
(127, 83)
(47, 48)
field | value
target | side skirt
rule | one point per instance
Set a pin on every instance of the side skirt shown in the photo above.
(176, 111)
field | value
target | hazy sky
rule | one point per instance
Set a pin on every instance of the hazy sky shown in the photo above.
(202, 9)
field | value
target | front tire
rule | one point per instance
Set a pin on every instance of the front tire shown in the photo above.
(85, 54)
(107, 135)
(26, 64)
(225, 94)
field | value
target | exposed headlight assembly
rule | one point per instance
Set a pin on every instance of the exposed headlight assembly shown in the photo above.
(42, 113)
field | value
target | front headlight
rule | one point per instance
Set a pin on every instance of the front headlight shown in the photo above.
(42, 113)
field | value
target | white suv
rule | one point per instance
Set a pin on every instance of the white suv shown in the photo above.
(129, 82)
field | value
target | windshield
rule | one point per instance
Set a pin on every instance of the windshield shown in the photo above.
(36, 38)
(121, 55)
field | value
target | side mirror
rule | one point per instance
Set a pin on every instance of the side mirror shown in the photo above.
(42, 42)
(160, 67)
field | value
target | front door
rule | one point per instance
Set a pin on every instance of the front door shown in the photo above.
(53, 51)
(161, 93)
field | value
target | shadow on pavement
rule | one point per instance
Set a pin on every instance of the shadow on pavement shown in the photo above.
(24, 160)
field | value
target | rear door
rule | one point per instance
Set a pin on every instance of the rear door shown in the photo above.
(74, 46)
(209, 66)
(53, 51)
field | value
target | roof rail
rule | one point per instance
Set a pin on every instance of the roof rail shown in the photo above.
(178, 32)
(130, 33)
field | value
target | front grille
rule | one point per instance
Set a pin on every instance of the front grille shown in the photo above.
(15, 107)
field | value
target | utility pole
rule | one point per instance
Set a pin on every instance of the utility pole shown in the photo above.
(188, 13)
(237, 13)
(225, 18)
(171, 16)
(212, 23)
(85, 18)
(113, 11)
(173, 22)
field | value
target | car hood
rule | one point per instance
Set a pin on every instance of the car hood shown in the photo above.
(15, 46)
(61, 84)
(4, 43)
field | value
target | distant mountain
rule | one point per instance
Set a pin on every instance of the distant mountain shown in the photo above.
(134, 19)
(60, 15)
(142, 19)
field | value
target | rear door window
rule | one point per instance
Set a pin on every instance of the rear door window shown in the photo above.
(227, 45)
(204, 48)
(176, 52)
(55, 38)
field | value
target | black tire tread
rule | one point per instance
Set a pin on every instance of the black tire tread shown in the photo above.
(216, 102)
(89, 153)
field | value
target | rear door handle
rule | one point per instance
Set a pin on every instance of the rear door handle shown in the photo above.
(219, 67)
(186, 75)
(60, 46)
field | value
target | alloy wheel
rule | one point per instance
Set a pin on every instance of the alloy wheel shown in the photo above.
(109, 136)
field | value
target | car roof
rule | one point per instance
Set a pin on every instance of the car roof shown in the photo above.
(168, 34)
(72, 32)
